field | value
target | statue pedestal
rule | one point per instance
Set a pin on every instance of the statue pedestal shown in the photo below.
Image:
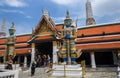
(67, 70)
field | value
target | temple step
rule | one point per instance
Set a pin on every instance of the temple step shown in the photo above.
(67, 70)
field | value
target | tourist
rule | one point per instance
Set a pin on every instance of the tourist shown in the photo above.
(9, 65)
(44, 60)
(39, 61)
(33, 68)
(48, 60)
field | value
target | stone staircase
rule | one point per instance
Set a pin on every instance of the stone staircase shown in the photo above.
(67, 70)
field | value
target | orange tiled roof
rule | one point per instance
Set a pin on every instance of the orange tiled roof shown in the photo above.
(59, 27)
(2, 46)
(98, 45)
(16, 45)
(2, 52)
(23, 38)
(99, 30)
(21, 45)
(43, 37)
(18, 39)
(99, 38)
(2, 41)
(18, 51)
(23, 50)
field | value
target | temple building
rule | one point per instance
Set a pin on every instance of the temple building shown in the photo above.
(100, 44)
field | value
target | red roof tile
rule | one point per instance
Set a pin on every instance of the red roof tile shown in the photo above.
(21, 45)
(23, 50)
(2, 52)
(18, 51)
(2, 46)
(23, 38)
(98, 45)
(99, 38)
(99, 30)
(43, 37)
(2, 41)
(59, 27)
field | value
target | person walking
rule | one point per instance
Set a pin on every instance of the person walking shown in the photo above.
(33, 68)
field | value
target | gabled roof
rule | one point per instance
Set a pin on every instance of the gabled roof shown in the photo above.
(51, 25)
(49, 22)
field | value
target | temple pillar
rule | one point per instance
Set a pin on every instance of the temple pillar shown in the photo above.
(118, 69)
(25, 61)
(114, 58)
(5, 55)
(33, 52)
(119, 58)
(0, 59)
(18, 59)
(93, 64)
(55, 57)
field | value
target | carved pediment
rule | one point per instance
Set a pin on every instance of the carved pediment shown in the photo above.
(45, 29)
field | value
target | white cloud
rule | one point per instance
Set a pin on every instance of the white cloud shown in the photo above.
(106, 7)
(11, 11)
(13, 3)
(115, 20)
(28, 16)
(65, 2)
(58, 19)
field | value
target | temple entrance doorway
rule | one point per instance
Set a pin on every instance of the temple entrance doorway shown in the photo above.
(45, 48)
(85, 56)
(104, 58)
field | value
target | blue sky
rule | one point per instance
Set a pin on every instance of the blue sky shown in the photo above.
(27, 13)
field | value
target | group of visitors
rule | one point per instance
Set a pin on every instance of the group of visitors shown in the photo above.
(40, 60)
(43, 60)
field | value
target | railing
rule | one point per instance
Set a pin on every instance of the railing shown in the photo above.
(9, 74)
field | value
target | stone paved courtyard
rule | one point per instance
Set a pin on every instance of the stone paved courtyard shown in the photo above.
(89, 74)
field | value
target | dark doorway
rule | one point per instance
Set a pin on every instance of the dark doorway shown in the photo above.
(85, 56)
(1, 59)
(104, 58)
(44, 48)
(15, 59)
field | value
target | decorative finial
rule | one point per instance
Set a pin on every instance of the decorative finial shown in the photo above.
(12, 24)
(68, 20)
(33, 31)
(12, 29)
(45, 13)
(67, 14)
